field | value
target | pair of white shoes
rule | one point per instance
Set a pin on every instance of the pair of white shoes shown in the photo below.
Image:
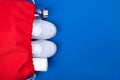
(42, 48)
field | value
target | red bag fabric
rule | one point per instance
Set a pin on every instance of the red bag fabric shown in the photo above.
(16, 18)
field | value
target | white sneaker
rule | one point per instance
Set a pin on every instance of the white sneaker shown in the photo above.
(43, 49)
(43, 29)
(40, 64)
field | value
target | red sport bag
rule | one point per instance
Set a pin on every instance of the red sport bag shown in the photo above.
(16, 18)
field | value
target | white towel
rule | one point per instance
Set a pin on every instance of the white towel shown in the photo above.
(40, 64)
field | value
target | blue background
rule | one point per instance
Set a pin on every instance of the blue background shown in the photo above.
(88, 39)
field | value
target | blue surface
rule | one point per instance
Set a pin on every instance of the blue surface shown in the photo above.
(88, 39)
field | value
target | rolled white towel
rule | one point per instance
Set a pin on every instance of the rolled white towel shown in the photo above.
(40, 64)
(43, 49)
(43, 29)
